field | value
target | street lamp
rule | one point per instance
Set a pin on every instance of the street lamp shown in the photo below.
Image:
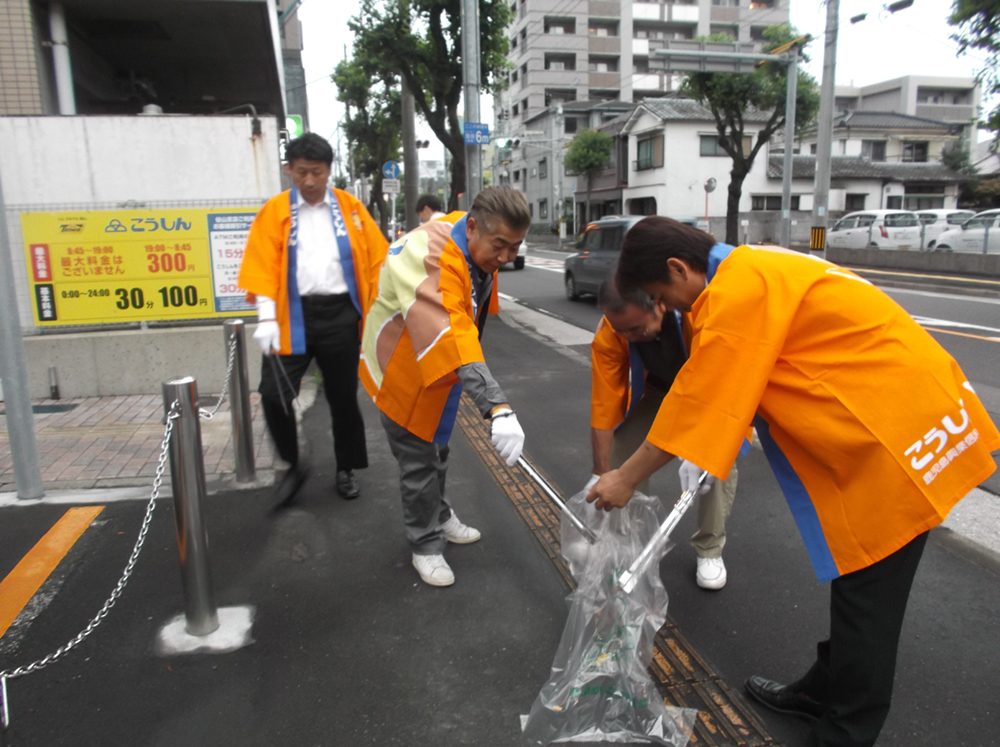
(709, 187)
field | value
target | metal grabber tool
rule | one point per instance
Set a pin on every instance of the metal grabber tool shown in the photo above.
(586, 531)
(654, 548)
(4, 708)
(281, 376)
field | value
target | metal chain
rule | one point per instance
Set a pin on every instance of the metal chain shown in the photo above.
(206, 414)
(10, 674)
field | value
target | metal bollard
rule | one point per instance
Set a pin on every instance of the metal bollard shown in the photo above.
(239, 397)
(187, 476)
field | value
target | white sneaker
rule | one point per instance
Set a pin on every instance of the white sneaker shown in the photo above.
(711, 573)
(457, 532)
(434, 570)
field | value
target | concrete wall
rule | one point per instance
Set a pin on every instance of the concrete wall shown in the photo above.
(132, 361)
(950, 263)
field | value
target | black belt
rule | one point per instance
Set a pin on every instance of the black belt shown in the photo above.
(326, 299)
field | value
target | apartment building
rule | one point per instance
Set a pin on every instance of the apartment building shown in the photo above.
(580, 53)
(955, 101)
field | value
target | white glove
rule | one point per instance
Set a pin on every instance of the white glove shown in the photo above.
(267, 334)
(689, 474)
(508, 438)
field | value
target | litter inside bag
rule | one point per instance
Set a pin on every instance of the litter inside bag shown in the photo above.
(599, 689)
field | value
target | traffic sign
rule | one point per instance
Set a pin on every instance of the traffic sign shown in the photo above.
(293, 123)
(391, 186)
(476, 133)
(391, 170)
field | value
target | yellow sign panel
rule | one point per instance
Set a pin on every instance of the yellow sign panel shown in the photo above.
(109, 266)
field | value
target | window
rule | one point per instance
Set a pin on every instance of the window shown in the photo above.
(543, 168)
(854, 202)
(924, 196)
(543, 209)
(711, 147)
(515, 109)
(560, 61)
(771, 202)
(649, 153)
(602, 28)
(873, 150)
(513, 43)
(640, 64)
(845, 223)
(901, 220)
(555, 95)
(517, 175)
(570, 125)
(914, 151)
(894, 202)
(603, 64)
(554, 25)
(513, 77)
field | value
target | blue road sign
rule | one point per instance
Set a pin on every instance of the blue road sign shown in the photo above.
(476, 133)
(390, 170)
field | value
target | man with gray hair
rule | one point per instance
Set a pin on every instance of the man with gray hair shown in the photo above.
(635, 355)
(421, 349)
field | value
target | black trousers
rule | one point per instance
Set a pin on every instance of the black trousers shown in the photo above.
(855, 667)
(332, 339)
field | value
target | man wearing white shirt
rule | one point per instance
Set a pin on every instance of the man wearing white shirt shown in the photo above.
(311, 265)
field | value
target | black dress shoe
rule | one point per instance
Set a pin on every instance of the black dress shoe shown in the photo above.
(347, 485)
(288, 486)
(782, 698)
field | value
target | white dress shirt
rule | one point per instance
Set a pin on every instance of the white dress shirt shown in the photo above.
(319, 271)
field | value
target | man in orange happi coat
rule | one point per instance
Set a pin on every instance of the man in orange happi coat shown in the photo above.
(421, 349)
(311, 265)
(873, 432)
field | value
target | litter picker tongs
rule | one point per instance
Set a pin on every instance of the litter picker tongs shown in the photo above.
(281, 377)
(586, 531)
(654, 548)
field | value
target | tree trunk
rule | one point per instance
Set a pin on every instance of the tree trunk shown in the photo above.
(586, 209)
(736, 177)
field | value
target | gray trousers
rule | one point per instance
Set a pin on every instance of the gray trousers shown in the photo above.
(422, 469)
(713, 507)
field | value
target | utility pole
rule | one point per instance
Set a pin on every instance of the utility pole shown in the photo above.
(558, 125)
(470, 91)
(824, 136)
(786, 184)
(411, 161)
(13, 373)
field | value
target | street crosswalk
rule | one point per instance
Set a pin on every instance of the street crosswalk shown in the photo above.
(544, 263)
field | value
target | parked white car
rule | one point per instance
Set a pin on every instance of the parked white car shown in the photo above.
(936, 222)
(980, 233)
(877, 229)
(518, 263)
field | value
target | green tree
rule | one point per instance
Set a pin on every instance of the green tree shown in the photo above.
(589, 152)
(978, 22)
(422, 41)
(730, 95)
(371, 124)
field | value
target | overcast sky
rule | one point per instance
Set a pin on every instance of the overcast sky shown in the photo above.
(913, 41)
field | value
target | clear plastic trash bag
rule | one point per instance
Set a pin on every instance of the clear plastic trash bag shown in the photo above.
(599, 688)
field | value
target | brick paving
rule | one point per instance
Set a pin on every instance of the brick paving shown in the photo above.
(113, 442)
